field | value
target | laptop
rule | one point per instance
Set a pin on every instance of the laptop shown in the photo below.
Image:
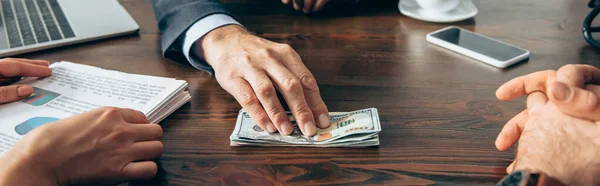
(32, 25)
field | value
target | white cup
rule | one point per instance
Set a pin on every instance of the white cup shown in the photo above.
(438, 5)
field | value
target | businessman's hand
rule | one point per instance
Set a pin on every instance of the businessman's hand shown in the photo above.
(252, 68)
(561, 146)
(307, 6)
(101, 147)
(12, 69)
(573, 89)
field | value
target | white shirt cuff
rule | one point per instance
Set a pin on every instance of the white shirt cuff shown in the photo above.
(198, 30)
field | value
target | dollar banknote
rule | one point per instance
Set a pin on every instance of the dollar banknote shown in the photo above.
(348, 129)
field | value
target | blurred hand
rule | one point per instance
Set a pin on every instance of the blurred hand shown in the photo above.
(12, 69)
(307, 6)
(252, 68)
(101, 147)
(572, 89)
(561, 146)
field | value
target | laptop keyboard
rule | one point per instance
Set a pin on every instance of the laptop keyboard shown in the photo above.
(29, 22)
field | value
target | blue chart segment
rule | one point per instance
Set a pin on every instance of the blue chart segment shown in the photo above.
(33, 123)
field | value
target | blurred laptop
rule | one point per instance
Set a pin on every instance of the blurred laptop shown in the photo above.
(31, 25)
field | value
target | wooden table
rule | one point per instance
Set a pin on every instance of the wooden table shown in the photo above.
(438, 110)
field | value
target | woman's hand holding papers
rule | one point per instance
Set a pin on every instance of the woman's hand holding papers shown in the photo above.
(105, 146)
(12, 70)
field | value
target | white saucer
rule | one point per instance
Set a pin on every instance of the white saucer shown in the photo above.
(465, 10)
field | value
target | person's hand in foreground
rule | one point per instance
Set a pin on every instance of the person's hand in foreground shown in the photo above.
(12, 70)
(307, 6)
(101, 147)
(557, 131)
(252, 68)
(573, 89)
(563, 147)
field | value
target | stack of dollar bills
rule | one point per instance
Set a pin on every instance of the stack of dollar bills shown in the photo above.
(348, 129)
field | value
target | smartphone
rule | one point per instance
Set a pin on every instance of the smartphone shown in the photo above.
(479, 47)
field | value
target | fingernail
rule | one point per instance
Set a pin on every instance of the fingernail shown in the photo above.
(305, 11)
(286, 129)
(310, 129)
(324, 121)
(561, 92)
(23, 91)
(271, 128)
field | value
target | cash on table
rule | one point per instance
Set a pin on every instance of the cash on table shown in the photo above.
(348, 129)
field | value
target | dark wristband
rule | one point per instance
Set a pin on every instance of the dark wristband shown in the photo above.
(525, 178)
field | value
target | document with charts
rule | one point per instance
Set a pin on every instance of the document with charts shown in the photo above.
(75, 88)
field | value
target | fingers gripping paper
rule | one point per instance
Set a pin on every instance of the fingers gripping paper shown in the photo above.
(75, 88)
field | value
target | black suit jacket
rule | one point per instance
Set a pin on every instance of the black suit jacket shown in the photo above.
(174, 17)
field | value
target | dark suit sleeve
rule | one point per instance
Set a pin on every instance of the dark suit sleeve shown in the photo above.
(175, 16)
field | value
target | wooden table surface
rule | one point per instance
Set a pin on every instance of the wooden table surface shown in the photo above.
(438, 110)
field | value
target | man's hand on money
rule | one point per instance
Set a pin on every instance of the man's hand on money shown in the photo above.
(252, 68)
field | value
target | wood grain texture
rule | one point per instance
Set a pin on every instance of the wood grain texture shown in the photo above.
(438, 110)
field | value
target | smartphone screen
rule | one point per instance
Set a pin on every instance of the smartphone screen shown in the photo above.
(479, 44)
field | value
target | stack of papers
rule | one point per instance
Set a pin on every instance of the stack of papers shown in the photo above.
(74, 88)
